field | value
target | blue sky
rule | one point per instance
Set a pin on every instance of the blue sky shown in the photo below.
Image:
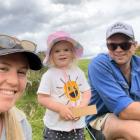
(85, 20)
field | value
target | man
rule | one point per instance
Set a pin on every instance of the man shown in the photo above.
(115, 84)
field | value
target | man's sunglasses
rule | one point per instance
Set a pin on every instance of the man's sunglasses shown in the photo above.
(8, 42)
(124, 46)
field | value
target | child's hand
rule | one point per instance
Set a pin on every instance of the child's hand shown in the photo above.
(65, 113)
(76, 118)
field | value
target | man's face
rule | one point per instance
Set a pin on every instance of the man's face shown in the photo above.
(121, 48)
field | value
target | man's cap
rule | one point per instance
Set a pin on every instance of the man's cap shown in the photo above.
(122, 28)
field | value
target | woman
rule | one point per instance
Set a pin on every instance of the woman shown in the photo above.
(16, 58)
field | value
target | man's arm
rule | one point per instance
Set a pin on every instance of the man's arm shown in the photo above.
(132, 112)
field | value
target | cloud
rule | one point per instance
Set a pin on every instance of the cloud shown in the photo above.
(85, 20)
(65, 2)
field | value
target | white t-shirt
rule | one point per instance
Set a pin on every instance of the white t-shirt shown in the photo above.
(65, 87)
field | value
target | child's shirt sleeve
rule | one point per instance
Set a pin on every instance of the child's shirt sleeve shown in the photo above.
(44, 86)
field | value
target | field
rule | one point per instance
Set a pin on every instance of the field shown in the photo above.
(32, 109)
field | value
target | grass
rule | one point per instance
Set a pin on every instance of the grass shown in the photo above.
(32, 109)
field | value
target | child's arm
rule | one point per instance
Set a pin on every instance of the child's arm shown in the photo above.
(63, 110)
(85, 98)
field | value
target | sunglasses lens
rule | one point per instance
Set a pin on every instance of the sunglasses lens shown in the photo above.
(27, 45)
(112, 46)
(124, 46)
(6, 42)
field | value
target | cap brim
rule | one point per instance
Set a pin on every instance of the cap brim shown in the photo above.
(34, 60)
(119, 33)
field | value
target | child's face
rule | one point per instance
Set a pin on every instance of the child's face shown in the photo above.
(62, 54)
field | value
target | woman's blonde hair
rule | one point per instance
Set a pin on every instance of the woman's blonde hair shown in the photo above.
(12, 125)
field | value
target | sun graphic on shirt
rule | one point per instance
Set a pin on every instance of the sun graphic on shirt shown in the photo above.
(71, 90)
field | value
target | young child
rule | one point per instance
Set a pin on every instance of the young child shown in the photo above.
(63, 87)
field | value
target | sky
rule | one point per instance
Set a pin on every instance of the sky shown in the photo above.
(86, 20)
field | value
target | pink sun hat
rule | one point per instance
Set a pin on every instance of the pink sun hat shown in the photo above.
(62, 36)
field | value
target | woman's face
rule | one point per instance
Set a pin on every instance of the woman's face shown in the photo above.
(13, 79)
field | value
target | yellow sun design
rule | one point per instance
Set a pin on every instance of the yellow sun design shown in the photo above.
(71, 90)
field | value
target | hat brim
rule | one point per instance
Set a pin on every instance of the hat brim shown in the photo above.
(33, 60)
(77, 47)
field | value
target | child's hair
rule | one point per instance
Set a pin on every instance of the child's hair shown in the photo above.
(73, 61)
(62, 36)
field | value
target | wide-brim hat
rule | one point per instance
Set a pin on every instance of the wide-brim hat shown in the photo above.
(33, 59)
(62, 36)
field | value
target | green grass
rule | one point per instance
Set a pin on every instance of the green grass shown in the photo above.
(32, 109)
